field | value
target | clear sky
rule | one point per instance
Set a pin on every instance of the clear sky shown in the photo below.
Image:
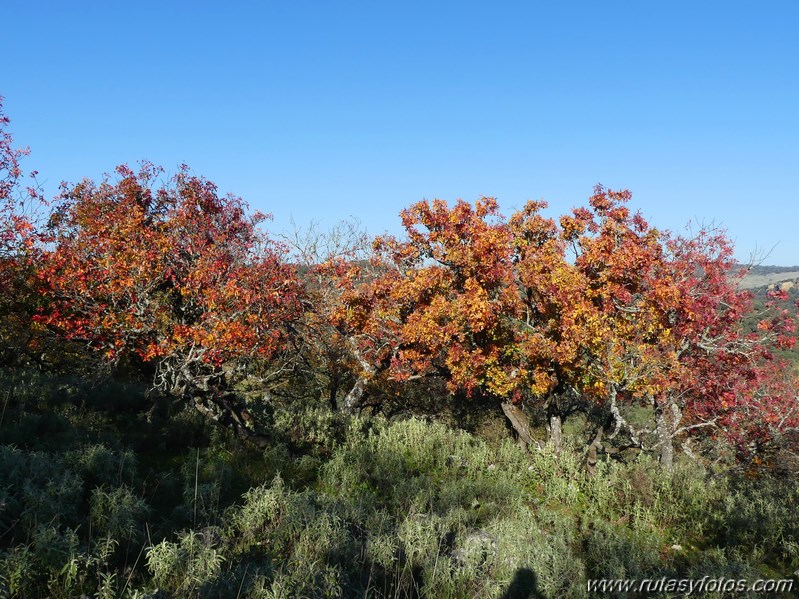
(324, 110)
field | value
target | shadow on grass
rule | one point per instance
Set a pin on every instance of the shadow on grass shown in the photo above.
(523, 586)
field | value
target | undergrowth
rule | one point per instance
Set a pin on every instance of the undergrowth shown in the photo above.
(358, 507)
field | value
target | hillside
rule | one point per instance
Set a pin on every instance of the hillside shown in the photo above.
(763, 276)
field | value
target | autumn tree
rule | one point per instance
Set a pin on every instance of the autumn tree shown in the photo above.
(734, 386)
(556, 312)
(447, 304)
(597, 312)
(671, 332)
(492, 306)
(174, 275)
(20, 205)
(624, 292)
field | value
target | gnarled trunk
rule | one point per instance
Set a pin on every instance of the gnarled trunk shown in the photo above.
(225, 409)
(332, 395)
(519, 422)
(592, 455)
(563, 401)
(354, 397)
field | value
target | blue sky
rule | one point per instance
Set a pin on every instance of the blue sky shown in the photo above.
(325, 110)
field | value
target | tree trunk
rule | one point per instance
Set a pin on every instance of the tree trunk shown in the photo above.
(354, 397)
(664, 439)
(332, 394)
(519, 422)
(591, 457)
(226, 410)
(555, 428)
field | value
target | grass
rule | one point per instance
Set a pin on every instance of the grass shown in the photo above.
(360, 507)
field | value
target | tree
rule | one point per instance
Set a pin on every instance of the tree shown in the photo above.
(447, 304)
(173, 275)
(673, 335)
(328, 263)
(636, 316)
(494, 307)
(19, 247)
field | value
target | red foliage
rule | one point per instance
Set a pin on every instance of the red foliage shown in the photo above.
(172, 273)
(19, 247)
(597, 302)
(16, 229)
(635, 313)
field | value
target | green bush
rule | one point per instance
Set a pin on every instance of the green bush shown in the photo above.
(362, 507)
(98, 465)
(118, 513)
(37, 489)
(206, 482)
(189, 567)
(761, 513)
(19, 571)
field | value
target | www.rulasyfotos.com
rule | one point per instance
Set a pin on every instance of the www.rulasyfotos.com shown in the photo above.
(690, 586)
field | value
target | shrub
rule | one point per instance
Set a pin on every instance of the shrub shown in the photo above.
(118, 513)
(99, 465)
(190, 566)
(38, 490)
(206, 478)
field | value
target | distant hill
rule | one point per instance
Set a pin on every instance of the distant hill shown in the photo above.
(763, 276)
(759, 280)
